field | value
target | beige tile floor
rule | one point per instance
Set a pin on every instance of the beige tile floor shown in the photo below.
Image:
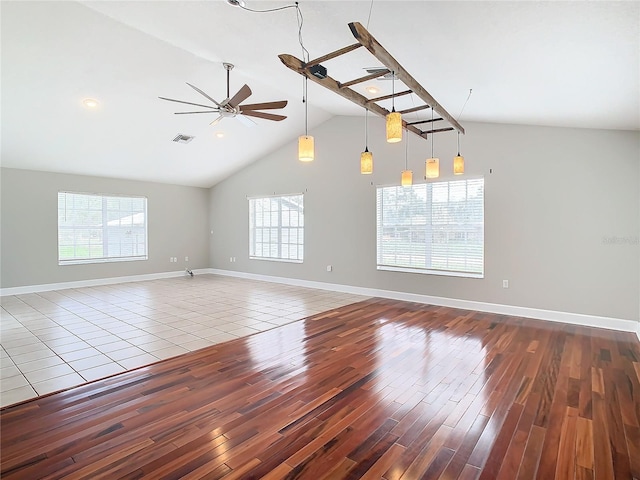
(54, 340)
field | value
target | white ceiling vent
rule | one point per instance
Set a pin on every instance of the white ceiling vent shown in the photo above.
(180, 138)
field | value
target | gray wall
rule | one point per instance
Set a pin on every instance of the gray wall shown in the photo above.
(177, 227)
(562, 214)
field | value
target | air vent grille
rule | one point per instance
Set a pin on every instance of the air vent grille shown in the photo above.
(180, 138)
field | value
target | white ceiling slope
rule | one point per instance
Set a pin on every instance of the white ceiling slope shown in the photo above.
(573, 64)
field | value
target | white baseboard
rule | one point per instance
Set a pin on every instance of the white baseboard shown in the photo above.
(93, 282)
(512, 310)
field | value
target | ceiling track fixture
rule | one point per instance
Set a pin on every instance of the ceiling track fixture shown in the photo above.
(365, 39)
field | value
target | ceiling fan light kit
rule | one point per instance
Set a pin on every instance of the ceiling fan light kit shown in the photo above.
(394, 122)
(231, 107)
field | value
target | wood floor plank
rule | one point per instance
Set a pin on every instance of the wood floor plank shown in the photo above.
(584, 443)
(378, 389)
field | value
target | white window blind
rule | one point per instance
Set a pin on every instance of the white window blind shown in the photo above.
(276, 228)
(432, 228)
(98, 228)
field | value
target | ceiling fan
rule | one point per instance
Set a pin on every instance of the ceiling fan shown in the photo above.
(230, 107)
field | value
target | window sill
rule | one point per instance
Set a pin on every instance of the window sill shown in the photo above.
(100, 260)
(268, 259)
(430, 272)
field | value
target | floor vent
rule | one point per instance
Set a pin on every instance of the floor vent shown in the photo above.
(180, 138)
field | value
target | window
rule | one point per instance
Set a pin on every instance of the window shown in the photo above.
(432, 228)
(97, 228)
(276, 228)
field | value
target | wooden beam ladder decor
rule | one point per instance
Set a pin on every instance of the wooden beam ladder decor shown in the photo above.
(365, 39)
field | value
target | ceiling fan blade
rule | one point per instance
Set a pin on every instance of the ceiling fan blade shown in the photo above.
(266, 116)
(240, 97)
(206, 111)
(264, 106)
(246, 121)
(216, 121)
(202, 93)
(187, 103)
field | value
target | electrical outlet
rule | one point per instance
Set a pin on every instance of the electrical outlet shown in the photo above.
(230, 259)
(505, 283)
(329, 268)
(186, 259)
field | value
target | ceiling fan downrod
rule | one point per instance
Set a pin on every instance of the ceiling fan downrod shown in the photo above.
(228, 67)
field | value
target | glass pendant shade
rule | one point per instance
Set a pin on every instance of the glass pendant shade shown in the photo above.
(433, 168)
(458, 165)
(366, 162)
(305, 148)
(407, 178)
(394, 127)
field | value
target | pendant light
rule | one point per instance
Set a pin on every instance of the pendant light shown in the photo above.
(366, 157)
(433, 163)
(305, 142)
(407, 175)
(458, 161)
(394, 119)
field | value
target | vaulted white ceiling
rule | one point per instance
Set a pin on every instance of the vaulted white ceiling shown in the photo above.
(568, 64)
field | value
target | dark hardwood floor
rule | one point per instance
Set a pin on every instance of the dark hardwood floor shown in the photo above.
(377, 389)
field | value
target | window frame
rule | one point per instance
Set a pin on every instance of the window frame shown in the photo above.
(103, 227)
(279, 230)
(430, 230)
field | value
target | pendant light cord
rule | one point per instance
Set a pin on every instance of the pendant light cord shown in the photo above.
(299, 18)
(465, 104)
(406, 152)
(366, 129)
(393, 91)
(432, 133)
(369, 17)
(306, 108)
(460, 114)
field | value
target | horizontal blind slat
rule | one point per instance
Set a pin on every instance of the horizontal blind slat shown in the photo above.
(434, 226)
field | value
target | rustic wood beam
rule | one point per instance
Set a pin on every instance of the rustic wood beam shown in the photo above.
(387, 97)
(425, 121)
(331, 55)
(329, 83)
(366, 78)
(370, 43)
(414, 109)
(438, 130)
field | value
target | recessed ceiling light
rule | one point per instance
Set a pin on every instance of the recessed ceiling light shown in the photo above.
(219, 134)
(372, 89)
(90, 103)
